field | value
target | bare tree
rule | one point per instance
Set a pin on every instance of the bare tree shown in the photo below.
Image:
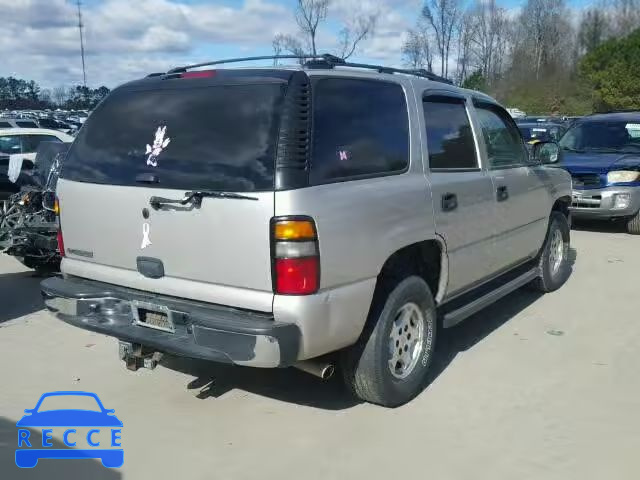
(626, 16)
(465, 34)
(289, 44)
(542, 25)
(593, 30)
(355, 32)
(277, 44)
(309, 14)
(489, 31)
(60, 95)
(416, 49)
(443, 16)
(45, 95)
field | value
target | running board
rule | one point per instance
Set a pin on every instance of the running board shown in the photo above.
(456, 316)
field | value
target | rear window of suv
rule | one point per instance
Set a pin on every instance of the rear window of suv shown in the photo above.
(220, 137)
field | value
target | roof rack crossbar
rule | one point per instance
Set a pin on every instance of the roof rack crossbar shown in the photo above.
(328, 60)
(244, 59)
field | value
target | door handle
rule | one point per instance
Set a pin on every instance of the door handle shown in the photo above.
(502, 193)
(449, 202)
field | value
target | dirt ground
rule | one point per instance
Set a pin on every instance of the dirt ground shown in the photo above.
(535, 387)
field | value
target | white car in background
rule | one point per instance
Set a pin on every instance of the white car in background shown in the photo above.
(18, 123)
(25, 141)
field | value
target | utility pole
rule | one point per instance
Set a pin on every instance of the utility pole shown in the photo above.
(80, 27)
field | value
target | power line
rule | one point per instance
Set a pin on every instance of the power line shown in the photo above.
(80, 27)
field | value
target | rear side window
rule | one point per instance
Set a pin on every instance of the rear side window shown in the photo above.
(30, 143)
(5, 125)
(221, 137)
(449, 136)
(360, 129)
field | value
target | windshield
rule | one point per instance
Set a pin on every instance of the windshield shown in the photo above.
(221, 137)
(603, 136)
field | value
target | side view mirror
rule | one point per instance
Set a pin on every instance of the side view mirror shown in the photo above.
(48, 200)
(545, 152)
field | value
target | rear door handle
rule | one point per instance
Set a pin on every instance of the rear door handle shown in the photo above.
(502, 193)
(449, 202)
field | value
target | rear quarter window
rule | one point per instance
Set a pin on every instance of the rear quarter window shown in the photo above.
(360, 129)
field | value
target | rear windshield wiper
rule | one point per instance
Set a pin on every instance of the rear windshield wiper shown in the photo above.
(195, 198)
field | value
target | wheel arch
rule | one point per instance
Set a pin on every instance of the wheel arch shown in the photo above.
(562, 205)
(427, 259)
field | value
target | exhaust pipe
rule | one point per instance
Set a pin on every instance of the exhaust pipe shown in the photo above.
(323, 370)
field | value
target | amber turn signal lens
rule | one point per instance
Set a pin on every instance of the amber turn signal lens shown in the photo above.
(294, 230)
(56, 207)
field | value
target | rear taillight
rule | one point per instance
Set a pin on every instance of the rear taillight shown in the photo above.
(60, 243)
(56, 209)
(296, 257)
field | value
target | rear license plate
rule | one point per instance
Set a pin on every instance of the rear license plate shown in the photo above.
(148, 315)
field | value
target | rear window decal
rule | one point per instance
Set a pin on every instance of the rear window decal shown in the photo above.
(159, 144)
(343, 155)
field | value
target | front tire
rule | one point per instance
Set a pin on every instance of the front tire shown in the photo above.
(633, 224)
(389, 364)
(554, 257)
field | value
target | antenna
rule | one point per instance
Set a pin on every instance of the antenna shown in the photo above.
(80, 27)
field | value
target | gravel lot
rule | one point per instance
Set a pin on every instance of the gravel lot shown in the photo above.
(536, 387)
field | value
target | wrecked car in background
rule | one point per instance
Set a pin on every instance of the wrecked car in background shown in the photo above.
(28, 219)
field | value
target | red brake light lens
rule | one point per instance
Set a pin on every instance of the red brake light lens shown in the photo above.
(297, 276)
(60, 243)
(296, 256)
(199, 74)
(56, 210)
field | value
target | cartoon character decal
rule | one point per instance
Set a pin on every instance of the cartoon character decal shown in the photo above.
(159, 144)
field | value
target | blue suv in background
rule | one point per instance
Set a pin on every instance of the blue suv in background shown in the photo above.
(602, 154)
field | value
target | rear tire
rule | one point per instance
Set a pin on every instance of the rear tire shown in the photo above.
(633, 224)
(554, 256)
(402, 317)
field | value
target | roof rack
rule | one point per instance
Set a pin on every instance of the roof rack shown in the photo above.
(319, 61)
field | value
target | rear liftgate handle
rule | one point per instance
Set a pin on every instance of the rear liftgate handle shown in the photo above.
(449, 202)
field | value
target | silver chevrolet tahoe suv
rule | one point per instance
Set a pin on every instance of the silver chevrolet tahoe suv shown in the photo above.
(309, 216)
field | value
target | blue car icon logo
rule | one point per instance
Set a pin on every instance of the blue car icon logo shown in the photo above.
(103, 428)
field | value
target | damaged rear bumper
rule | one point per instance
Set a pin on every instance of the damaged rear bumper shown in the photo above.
(194, 329)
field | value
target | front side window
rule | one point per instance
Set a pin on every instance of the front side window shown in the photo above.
(449, 135)
(502, 139)
(10, 144)
(360, 128)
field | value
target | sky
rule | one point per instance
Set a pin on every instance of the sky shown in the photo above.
(127, 39)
